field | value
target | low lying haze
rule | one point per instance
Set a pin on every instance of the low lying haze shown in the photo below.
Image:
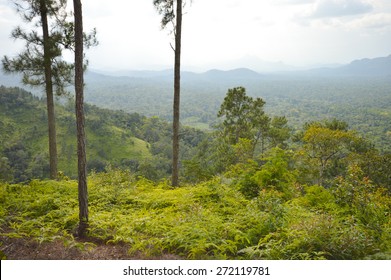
(229, 33)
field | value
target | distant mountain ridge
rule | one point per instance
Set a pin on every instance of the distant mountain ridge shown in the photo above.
(380, 66)
(241, 73)
(375, 66)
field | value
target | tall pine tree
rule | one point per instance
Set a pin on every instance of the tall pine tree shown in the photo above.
(40, 62)
(172, 10)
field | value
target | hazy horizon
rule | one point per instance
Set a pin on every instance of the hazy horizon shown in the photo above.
(269, 35)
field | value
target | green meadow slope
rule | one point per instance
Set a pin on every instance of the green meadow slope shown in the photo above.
(23, 139)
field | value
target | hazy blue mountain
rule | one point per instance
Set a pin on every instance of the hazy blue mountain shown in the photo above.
(380, 66)
(136, 73)
(214, 74)
(257, 64)
(239, 73)
(364, 67)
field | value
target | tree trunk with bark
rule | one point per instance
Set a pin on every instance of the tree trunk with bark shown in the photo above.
(80, 119)
(177, 89)
(49, 90)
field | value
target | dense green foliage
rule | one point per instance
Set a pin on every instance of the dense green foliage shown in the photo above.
(322, 192)
(114, 138)
(213, 219)
(362, 102)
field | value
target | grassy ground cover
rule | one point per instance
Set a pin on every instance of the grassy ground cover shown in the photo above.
(210, 220)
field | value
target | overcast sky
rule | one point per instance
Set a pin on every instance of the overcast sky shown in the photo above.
(227, 33)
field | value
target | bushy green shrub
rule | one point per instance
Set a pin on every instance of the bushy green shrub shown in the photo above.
(317, 198)
(309, 235)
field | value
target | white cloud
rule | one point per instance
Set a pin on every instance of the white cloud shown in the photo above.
(339, 8)
(377, 21)
(293, 2)
(8, 21)
(223, 30)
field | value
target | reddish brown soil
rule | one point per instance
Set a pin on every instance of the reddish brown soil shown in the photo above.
(25, 249)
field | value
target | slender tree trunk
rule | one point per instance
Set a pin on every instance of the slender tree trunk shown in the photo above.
(177, 89)
(49, 91)
(81, 143)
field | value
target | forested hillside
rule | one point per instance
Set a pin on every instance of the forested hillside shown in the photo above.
(363, 102)
(115, 139)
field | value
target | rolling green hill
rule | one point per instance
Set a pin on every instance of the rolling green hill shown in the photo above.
(23, 139)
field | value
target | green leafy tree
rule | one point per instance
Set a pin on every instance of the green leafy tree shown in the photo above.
(377, 167)
(236, 110)
(204, 164)
(243, 150)
(5, 170)
(357, 194)
(245, 131)
(279, 132)
(17, 157)
(325, 146)
(275, 174)
(244, 117)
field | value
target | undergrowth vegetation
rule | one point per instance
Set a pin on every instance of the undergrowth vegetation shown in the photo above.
(222, 218)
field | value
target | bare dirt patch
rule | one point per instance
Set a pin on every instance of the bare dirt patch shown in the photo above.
(27, 249)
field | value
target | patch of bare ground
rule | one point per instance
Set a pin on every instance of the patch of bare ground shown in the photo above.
(27, 249)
